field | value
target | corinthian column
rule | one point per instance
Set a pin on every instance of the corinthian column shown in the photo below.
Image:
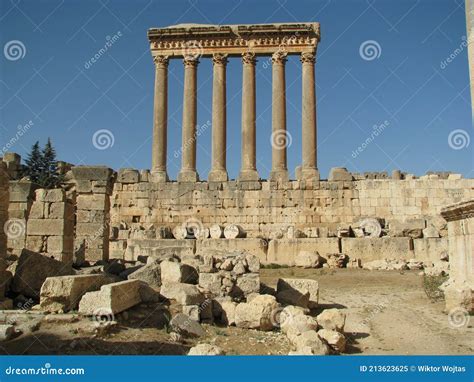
(160, 117)
(188, 171)
(309, 169)
(218, 171)
(248, 171)
(280, 138)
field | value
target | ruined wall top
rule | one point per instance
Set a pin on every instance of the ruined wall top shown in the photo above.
(260, 39)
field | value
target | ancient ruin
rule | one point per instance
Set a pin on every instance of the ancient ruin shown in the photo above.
(109, 243)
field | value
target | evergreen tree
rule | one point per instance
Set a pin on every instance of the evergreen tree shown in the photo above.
(50, 177)
(33, 164)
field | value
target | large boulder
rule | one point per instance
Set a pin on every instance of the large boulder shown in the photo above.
(33, 269)
(65, 292)
(111, 298)
(306, 259)
(311, 340)
(332, 319)
(299, 288)
(206, 349)
(184, 294)
(185, 326)
(334, 339)
(258, 313)
(174, 272)
(293, 325)
(150, 274)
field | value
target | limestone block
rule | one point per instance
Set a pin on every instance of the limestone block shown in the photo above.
(65, 292)
(368, 249)
(60, 244)
(257, 314)
(21, 191)
(211, 282)
(49, 227)
(174, 272)
(248, 283)
(150, 273)
(332, 319)
(62, 210)
(33, 269)
(186, 327)
(36, 243)
(111, 298)
(337, 174)
(430, 249)
(93, 202)
(37, 210)
(302, 287)
(192, 311)
(128, 175)
(184, 294)
(309, 343)
(284, 251)
(334, 339)
(295, 324)
(257, 247)
(306, 259)
(55, 195)
(206, 349)
(233, 231)
(7, 332)
(91, 173)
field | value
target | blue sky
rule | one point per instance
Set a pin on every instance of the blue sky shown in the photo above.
(421, 100)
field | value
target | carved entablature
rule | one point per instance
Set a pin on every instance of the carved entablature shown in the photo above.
(234, 40)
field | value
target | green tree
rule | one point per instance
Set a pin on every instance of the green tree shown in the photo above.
(42, 167)
(34, 163)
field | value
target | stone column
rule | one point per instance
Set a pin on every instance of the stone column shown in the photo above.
(160, 119)
(280, 137)
(188, 171)
(218, 171)
(309, 168)
(248, 171)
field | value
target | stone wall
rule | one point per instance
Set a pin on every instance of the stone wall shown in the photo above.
(265, 207)
(459, 292)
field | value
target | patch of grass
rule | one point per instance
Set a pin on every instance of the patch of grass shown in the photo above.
(273, 266)
(431, 286)
(220, 332)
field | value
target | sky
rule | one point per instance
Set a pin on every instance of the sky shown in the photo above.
(392, 83)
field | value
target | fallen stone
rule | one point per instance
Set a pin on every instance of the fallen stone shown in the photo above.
(186, 327)
(302, 286)
(111, 298)
(33, 269)
(309, 339)
(248, 283)
(63, 293)
(174, 272)
(192, 311)
(228, 312)
(293, 297)
(335, 340)
(293, 325)
(386, 265)
(184, 294)
(306, 259)
(332, 319)
(206, 349)
(150, 274)
(257, 314)
(233, 231)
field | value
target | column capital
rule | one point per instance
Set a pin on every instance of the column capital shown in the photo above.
(219, 59)
(248, 58)
(308, 58)
(161, 61)
(279, 58)
(190, 61)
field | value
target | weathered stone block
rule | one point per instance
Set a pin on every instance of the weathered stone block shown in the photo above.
(93, 202)
(184, 294)
(111, 298)
(284, 251)
(368, 249)
(301, 287)
(174, 272)
(49, 227)
(128, 175)
(55, 195)
(257, 314)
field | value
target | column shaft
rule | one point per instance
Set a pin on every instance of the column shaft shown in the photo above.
(280, 138)
(309, 128)
(188, 171)
(160, 119)
(248, 170)
(218, 171)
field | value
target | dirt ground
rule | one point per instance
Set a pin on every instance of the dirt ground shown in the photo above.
(388, 312)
